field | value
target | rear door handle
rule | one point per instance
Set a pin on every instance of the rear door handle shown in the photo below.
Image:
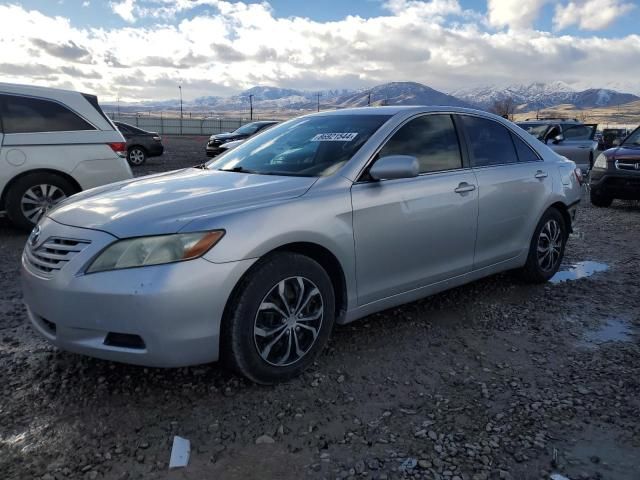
(541, 174)
(465, 187)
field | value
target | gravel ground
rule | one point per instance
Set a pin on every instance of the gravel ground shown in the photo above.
(493, 380)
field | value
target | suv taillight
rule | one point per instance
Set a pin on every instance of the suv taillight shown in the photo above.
(579, 175)
(119, 147)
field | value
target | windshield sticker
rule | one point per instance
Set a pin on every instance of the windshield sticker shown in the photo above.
(334, 137)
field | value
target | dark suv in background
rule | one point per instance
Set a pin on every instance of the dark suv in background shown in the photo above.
(616, 173)
(140, 143)
(242, 133)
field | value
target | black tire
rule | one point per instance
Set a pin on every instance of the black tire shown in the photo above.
(18, 189)
(239, 340)
(136, 156)
(599, 200)
(537, 270)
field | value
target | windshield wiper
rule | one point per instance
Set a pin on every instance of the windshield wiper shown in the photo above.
(237, 169)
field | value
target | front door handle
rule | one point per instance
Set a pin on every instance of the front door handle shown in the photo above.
(540, 174)
(465, 187)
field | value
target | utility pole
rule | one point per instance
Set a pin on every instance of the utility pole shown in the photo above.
(369, 99)
(318, 95)
(180, 88)
(251, 106)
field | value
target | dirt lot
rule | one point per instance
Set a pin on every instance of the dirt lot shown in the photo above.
(493, 380)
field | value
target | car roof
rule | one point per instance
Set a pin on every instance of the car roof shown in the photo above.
(405, 109)
(549, 121)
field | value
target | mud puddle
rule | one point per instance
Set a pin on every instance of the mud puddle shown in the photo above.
(579, 270)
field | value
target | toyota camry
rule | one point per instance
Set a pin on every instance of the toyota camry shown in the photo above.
(254, 257)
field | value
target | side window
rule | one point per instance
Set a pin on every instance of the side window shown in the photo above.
(525, 152)
(27, 115)
(123, 128)
(577, 132)
(432, 139)
(490, 143)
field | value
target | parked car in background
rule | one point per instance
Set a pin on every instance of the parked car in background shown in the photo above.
(140, 143)
(569, 138)
(53, 143)
(616, 173)
(254, 256)
(215, 142)
(612, 137)
(227, 146)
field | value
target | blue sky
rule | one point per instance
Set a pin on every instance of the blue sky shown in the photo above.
(142, 49)
(99, 13)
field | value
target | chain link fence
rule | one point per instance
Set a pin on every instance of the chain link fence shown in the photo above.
(172, 125)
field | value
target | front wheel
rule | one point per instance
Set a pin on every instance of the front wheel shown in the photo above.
(280, 318)
(546, 248)
(599, 200)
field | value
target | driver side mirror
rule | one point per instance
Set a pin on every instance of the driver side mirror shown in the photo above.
(395, 166)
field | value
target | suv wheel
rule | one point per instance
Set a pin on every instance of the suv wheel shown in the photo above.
(599, 200)
(546, 249)
(280, 319)
(32, 196)
(136, 156)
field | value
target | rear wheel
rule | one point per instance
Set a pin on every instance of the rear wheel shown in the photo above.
(280, 319)
(30, 197)
(599, 200)
(136, 156)
(546, 249)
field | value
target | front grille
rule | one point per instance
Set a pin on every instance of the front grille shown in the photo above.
(51, 255)
(627, 165)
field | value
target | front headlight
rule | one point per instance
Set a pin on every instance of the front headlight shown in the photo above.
(601, 161)
(156, 250)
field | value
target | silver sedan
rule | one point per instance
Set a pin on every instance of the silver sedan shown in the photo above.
(252, 258)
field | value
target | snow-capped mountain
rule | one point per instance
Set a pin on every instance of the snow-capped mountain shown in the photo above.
(398, 93)
(540, 95)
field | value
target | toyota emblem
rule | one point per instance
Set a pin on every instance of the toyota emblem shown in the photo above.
(35, 236)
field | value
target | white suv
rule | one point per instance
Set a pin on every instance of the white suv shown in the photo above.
(53, 143)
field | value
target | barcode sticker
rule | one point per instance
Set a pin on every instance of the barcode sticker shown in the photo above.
(334, 137)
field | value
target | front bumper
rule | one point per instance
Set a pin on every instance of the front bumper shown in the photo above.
(173, 310)
(621, 185)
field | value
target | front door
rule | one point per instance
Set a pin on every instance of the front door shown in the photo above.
(413, 232)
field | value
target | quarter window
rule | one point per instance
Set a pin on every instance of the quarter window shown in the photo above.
(28, 115)
(490, 143)
(577, 132)
(525, 153)
(432, 139)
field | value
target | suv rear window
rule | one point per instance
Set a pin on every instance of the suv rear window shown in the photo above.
(29, 115)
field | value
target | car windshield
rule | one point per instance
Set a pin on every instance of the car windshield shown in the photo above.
(310, 147)
(536, 129)
(248, 129)
(633, 140)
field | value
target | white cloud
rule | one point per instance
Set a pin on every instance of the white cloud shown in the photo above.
(515, 14)
(238, 45)
(124, 9)
(86, 3)
(590, 14)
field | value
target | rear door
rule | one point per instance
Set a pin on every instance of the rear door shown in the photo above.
(578, 144)
(513, 183)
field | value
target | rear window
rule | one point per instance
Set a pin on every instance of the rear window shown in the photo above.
(30, 115)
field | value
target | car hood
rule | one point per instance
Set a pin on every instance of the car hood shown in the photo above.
(167, 203)
(226, 136)
(625, 153)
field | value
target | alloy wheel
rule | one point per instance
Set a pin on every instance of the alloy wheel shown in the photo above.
(549, 245)
(39, 199)
(288, 321)
(136, 156)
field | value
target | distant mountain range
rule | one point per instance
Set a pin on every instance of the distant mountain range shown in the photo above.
(537, 96)
(529, 97)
